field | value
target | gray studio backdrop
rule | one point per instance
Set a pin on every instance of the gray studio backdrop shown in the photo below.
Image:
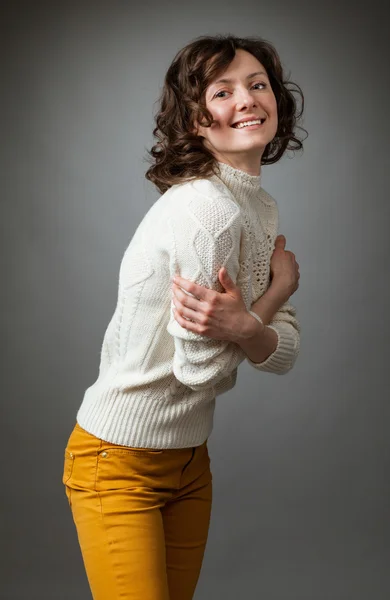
(300, 462)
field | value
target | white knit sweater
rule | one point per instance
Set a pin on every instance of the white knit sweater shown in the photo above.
(157, 381)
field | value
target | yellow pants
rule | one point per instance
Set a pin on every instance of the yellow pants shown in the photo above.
(142, 516)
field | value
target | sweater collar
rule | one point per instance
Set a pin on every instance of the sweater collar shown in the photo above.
(241, 184)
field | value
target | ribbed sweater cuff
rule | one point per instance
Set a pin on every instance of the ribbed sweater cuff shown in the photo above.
(286, 351)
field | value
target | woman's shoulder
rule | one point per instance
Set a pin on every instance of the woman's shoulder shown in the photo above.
(267, 199)
(206, 203)
(205, 191)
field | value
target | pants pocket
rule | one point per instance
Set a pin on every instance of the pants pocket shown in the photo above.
(119, 467)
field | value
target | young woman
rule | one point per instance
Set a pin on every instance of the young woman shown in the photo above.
(137, 471)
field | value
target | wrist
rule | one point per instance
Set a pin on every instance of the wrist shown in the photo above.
(253, 326)
(278, 292)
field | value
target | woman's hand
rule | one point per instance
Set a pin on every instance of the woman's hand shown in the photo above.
(284, 268)
(221, 316)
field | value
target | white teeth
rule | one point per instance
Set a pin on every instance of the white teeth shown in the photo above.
(247, 123)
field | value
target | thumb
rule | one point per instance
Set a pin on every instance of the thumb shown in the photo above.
(226, 281)
(280, 242)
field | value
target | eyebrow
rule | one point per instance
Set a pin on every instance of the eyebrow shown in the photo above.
(248, 77)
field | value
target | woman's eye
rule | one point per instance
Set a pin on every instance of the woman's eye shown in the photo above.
(217, 95)
(221, 92)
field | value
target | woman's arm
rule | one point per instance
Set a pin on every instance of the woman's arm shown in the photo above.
(278, 349)
(264, 340)
(224, 316)
(201, 240)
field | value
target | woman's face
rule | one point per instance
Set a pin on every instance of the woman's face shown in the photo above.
(242, 92)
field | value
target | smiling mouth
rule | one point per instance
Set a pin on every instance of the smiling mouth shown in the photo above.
(244, 125)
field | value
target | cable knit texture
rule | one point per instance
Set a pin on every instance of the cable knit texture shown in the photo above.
(157, 381)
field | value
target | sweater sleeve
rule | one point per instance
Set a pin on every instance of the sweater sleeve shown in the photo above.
(205, 236)
(287, 328)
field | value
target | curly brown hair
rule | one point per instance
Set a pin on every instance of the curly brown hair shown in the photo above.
(180, 155)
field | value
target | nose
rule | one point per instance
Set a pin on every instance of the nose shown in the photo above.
(245, 98)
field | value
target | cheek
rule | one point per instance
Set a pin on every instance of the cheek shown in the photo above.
(273, 108)
(270, 106)
(221, 115)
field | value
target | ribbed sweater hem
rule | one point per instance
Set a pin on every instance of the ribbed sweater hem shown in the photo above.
(141, 422)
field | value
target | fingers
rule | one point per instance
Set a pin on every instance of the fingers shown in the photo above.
(190, 325)
(226, 281)
(184, 300)
(280, 242)
(188, 313)
(187, 317)
(193, 288)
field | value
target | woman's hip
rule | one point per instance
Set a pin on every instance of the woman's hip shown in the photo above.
(94, 464)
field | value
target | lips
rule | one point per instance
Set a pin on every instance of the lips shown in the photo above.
(247, 121)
